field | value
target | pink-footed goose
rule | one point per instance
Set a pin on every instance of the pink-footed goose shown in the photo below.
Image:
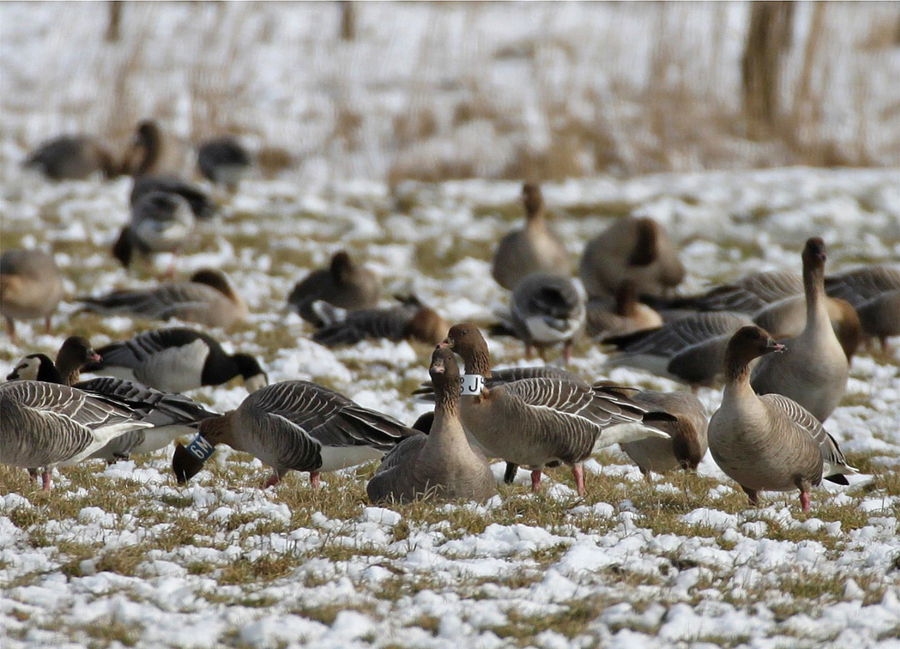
(295, 425)
(541, 421)
(441, 465)
(411, 320)
(875, 293)
(620, 316)
(547, 310)
(73, 157)
(813, 371)
(769, 442)
(532, 249)
(160, 222)
(344, 284)
(30, 287)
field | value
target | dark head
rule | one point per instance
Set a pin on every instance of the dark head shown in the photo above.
(445, 376)
(249, 368)
(646, 249)
(748, 343)
(146, 147)
(213, 278)
(123, 248)
(532, 199)
(342, 267)
(35, 367)
(427, 326)
(74, 355)
(466, 340)
(185, 465)
(814, 255)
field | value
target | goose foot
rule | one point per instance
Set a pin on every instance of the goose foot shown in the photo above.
(804, 500)
(567, 352)
(314, 479)
(578, 474)
(45, 479)
(272, 481)
(752, 495)
(536, 481)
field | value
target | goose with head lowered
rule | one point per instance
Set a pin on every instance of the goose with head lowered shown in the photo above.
(411, 320)
(547, 310)
(160, 222)
(73, 157)
(622, 315)
(295, 425)
(30, 287)
(874, 291)
(223, 160)
(345, 284)
(769, 442)
(542, 421)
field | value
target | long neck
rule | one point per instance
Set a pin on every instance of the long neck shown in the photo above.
(534, 219)
(69, 371)
(737, 376)
(816, 308)
(479, 362)
(152, 149)
(218, 430)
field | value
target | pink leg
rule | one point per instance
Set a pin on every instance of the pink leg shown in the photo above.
(529, 352)
(536, 481)
(578, 474)
(272, 481)
(567, 352)
(804, 500)
(11, 329)
(47, 324)
(752, 495)
(314, 479)
(46, 479)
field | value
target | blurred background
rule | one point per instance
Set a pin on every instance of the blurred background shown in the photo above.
(434, 91)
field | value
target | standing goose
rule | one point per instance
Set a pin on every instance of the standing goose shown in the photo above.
(787, 319)
(30, 287)
(441, 465)
(224, 161)
(175, 360)
(160, 222)
(769, 442)
(875, 293)
(73, 157)
(813, 370)
(295, 425)
(622, 316)
(542, 421)
(207, 299)
(344, 284)
(532, 249)
(412, 320)
(547, 310)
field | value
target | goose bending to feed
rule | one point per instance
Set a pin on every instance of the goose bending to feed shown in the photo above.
(813, 370)
(46, 425)
(875, 293)
(176, 360)
(411, 320)
(441, 465)
(344, 284)
(30, 287)
(295, 425)
(632, 248)
(625, 314)
(547, 310)
(160, 222)
(542, 421)
(769, 442)
(223, 160)
(532, 249)
(73, 157)
(207, 299)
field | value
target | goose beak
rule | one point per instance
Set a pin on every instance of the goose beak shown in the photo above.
(94, 356)
(446, 343)
(773, 346)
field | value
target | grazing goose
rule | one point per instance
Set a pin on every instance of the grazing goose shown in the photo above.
(46, 425)
(223, 160)
(624, 315)
(542, 421)
(343, 284)
(880, 317)
(73, 157)
(412, 320)
(875, 293)
(547, 310)
(441, 465)
(207, 299)
(160, 222)
(769, 442)
(631, 248)
(175, 360)
(813, 370)
(30, 287)
(532, 249)
(295, 425)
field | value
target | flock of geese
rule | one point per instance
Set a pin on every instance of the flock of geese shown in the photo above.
(781, 343)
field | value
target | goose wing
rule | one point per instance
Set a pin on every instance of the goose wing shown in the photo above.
(137, 351)
(366, 324)
(425, 392)
(161, 303)
(675, 336)
(858, 286)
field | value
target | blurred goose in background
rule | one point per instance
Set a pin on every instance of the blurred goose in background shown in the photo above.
(631, 248)
(30, 287)
(73, 157)
(411, 320)
(344, 284)
(532, 249)
(160, 222)
(542, 421)
(176, 360)
(547, 310)
(74, 354)
(224, 161)
(207, 299)
(874, 291)
(625, 314)
(813, 370)
(769, 442)
(295, 425)
(441, 465)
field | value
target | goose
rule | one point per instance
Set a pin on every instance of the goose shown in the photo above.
(30, 287)
(546, 310)
(531, 249)
(411, 320)
(441, 465)
(73, 157)
(343, 284)
(74, 354)
(207, 299)
(875, 293)
(880, 317)
(748, 295)
(621, 316)
(769, 442)
(542, 421)
(631, 248)
(175, 360)
(294, 425)
(46, 425)
(160, 222)
(223, 160)
(813, 371)
(787, 318)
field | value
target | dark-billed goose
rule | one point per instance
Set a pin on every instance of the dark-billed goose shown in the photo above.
(875, 293)
(160, 222)
(441, 465)
(541, 421)
(175, 360)
(769, 442)
(46, 425)
(412, 320)
(631, 248)
(547, 310)
(532, 249)
(73, 157)
(223, 160)
(30, 287)
(813, 370)
(623, 315)
(207, 299)
(295, 425)
(343, 284)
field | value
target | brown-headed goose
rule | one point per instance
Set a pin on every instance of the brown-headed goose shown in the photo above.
(175, 360)
(73, 157)
(623, 315)
(441, 465)
(542, 421)
(875, 293)
(295, 425)
(636, 248)
(344, 284)
(412, 320)
(160, 222)
(207, 299)
(813, 370)
(547, 310)
(30, 287)
(769, 442)
(532, 249)
(223, 160)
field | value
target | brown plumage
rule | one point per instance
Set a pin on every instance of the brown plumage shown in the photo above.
(345, 284)
(30, 287)
(73, 157)
(623, 315)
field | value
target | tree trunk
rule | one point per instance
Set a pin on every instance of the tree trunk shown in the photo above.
(768, 38)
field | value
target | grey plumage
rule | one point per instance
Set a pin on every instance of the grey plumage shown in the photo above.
(410, 320)
(223, 160)
(160, 222)
(545, 310)
(875, 293)
(30, 286)
(344, 284)
(73, 157)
